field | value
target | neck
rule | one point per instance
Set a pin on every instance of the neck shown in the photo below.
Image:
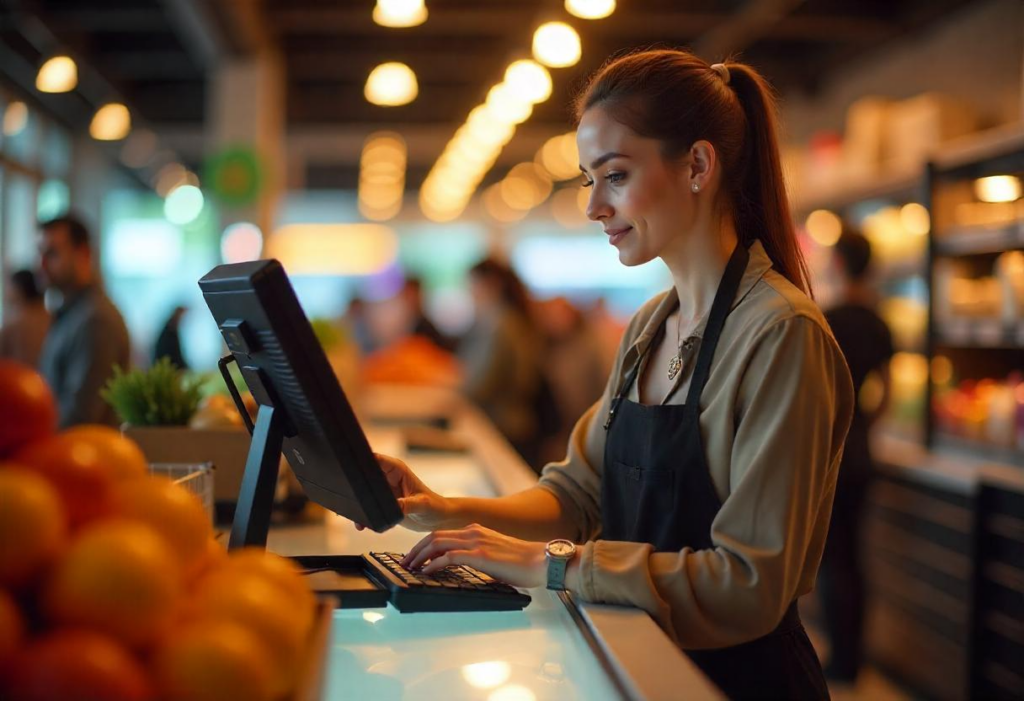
(697, 266)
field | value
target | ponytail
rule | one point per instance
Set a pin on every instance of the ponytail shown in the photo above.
(677, 98)
(761, 203)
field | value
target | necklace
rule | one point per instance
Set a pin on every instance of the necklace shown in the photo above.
(675, 363)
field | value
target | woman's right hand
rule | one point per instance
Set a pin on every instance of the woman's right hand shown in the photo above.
(424, 509)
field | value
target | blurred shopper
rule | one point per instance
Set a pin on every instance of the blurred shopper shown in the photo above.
(867, 344)
(574, 367)
(412, 296)
(356, 320)
(699, 487)
(501, 356)
(168, 343)
(21, 338)
(88, 336)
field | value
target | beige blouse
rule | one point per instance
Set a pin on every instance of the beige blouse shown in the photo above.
(774, 415)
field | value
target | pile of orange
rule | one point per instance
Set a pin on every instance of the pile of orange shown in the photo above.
(112, 586)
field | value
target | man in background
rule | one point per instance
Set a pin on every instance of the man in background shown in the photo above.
(88, 335)
(21, 338)
(867, 344)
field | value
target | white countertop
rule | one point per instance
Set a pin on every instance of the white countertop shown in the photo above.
(550, 650)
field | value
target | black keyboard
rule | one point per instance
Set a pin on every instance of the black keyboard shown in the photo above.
(455, 588)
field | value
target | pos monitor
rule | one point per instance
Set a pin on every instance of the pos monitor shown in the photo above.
(302, 409)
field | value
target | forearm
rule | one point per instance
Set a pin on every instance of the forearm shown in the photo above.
(534, 514)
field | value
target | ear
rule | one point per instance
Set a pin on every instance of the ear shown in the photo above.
(703, 164)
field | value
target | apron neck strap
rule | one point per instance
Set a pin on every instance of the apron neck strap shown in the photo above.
(720, 308)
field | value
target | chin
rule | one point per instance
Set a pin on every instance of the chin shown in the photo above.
(631, 258)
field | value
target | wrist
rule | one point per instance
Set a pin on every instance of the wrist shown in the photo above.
(572, 571)
(458, 512)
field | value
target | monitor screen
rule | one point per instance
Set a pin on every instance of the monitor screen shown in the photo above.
(273, 343)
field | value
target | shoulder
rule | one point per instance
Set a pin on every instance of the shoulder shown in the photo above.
(774, 303)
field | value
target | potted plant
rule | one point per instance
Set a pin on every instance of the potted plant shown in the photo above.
(164, 410)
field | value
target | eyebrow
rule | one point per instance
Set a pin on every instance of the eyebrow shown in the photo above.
(604, 159)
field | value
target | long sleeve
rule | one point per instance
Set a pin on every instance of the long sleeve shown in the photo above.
(792, 406)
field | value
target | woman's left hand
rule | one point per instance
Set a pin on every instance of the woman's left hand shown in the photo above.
(516, 562)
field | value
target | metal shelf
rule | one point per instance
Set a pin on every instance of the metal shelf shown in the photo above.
(980, 333)
(979, 240)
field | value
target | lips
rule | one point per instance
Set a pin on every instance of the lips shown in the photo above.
(616, 235)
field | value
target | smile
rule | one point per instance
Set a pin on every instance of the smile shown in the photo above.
(616, 235)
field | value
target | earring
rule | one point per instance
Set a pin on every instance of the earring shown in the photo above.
(695, 187)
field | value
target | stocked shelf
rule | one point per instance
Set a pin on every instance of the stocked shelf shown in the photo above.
(978, 240)
(980, 333)
(954, 444)
(903, 184)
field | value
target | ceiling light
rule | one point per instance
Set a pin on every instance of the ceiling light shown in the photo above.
(382, 176)
(59, 74)
(560, 157)
(506, 106)
(824, 227)
(400, 13)
(590, 9)
(565, 208)
(557, 45)
(15, 118)
(111, 122)
(496, 206)
(183, 205)
(529, 81)
(997, 188)
(391, 85)
(241, 242)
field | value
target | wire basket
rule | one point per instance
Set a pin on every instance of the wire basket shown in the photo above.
(195, 477)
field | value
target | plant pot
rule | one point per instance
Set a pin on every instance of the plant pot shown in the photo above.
(226, 448)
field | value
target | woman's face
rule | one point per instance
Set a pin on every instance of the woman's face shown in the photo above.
(643, 202)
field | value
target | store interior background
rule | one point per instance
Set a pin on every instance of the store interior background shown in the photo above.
(261, 106)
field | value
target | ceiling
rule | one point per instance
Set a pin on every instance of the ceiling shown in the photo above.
(158, 54)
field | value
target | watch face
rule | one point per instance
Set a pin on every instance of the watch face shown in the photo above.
(561, 548)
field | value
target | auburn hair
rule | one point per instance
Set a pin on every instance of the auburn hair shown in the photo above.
(677, 98)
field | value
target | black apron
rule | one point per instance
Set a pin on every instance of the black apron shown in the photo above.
(657, 489)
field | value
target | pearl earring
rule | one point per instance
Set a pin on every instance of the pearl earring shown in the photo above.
(695, 187)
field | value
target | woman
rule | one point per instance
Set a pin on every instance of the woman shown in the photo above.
(22, 337)
(501, 356)
(699, 487)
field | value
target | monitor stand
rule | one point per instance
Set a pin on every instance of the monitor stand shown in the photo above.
(251, 523)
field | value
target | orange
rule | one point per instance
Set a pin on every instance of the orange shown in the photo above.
(28, 411)
(12, 628)
(79, 471)
(213, 661)
(173, 512)
(33, 528)
(282, 572)
(67, 665)
(262, 607)
(122, 457)
(118, 577)
(216, 556)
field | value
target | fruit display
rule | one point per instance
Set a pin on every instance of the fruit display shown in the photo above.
(112, 585)
(988, 411)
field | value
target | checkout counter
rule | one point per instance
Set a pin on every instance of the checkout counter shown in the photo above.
(556, 648)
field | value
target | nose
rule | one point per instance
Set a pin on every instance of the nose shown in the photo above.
(597, 207)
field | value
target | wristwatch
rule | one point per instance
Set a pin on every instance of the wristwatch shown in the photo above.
(559, 553)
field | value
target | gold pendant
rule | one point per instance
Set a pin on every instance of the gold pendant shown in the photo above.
(675, 365)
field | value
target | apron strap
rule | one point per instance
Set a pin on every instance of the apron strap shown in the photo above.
(720, 308)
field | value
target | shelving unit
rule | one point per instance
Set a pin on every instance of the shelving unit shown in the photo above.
(980, 346)
(944, 544)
